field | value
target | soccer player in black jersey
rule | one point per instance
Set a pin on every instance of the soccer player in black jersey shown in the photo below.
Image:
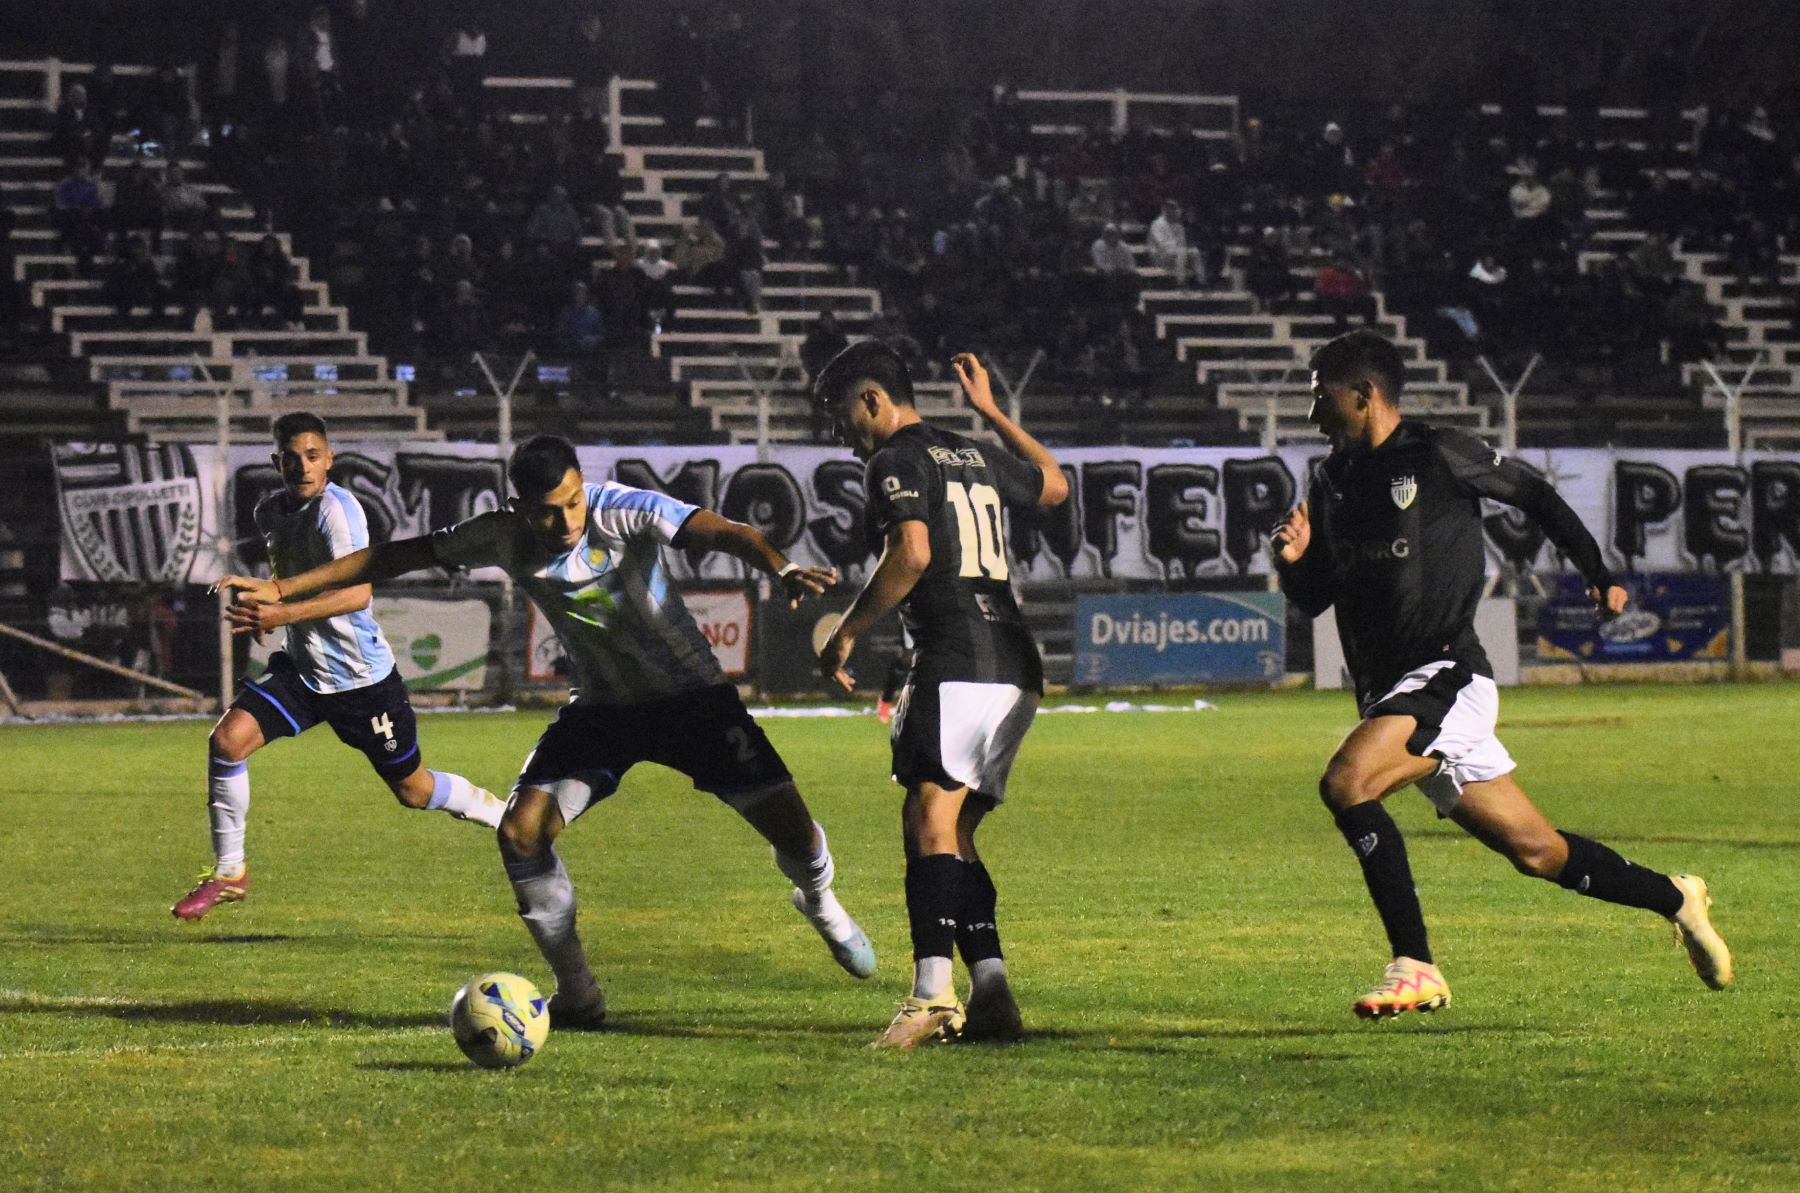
(936, 517)
(1390, 534)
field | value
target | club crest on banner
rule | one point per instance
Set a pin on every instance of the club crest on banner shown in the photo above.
(131, 513)
(1403, 489)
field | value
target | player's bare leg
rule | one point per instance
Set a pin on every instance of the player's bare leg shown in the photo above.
(435, 790)
(992, 1011)
(1371, 763)
(546, 897)
(228, 748)
(1501, 816)
(804, 856)
(934, 887)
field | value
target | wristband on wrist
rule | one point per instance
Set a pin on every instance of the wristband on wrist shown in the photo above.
(279, 595)
(787, 569)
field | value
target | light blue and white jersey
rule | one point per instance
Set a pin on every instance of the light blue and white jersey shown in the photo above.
(626, 632)
(332, 654)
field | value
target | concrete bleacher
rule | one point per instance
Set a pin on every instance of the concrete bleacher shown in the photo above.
(173, 382)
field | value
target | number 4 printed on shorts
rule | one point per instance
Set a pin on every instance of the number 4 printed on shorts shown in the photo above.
(384, 726)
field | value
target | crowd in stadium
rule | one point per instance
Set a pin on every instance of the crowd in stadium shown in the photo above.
(447, 226)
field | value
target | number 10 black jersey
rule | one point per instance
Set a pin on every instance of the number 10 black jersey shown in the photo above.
(962, 613)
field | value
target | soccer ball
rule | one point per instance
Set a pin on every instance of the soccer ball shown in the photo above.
(499, 1020)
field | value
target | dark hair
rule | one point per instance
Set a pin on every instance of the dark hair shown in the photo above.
(1362, 355)
(539, 464)
(297, 422)
(870, 360)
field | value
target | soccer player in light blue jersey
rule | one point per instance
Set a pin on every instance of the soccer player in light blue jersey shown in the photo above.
(336, 668)
(648, 688)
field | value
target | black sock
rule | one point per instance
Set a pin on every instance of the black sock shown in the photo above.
(933, 896)
(1599, 873)
(1376, 841)
(977, 934)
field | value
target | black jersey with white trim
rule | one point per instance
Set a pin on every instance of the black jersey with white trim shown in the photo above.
(1397, 547)
(962, 613)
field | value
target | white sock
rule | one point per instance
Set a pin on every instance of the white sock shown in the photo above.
(228, 802)
(813, 875)
(547, 905)
(824, 910)
(989, 972)
(931, 978)
(463, 800)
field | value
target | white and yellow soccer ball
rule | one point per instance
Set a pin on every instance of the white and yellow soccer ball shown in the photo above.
(500, 1020)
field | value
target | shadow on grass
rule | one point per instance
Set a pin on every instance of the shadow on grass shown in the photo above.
(1452, 833)
(732, 1029)
(423, 1066)
(53, 937)
(221, 1012)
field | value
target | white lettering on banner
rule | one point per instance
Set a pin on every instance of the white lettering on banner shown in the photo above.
(1155, 514)
(1163, 631)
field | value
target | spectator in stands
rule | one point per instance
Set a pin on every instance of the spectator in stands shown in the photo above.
(605, 189)
(1489, 293)
(1092, 208)
(1267, 273)
(195, 283)
(717, 203)
(184, 204)
(275, 60)
(1169, 248)
(932, 327)
(77, 205)
(579, 330)
(1116, 267)
(79, 131)
(1343, 291)
(1531, 202)
(1000, 219)
(745, 259)
(468, 59)
(698, 252)
(659, 283)
(621, 293)
(465, 326)
(592, 61)
(555, 222)
(1651, 267)
(138, 206)
(824, 340)
(133, 280)
(270, 291)
(1692, 329)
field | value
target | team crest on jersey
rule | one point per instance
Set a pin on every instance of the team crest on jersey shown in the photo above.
(1403, 489)
(596, 557)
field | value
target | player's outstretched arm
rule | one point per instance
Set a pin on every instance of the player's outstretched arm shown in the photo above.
(367, 566)
(708, 531)
(980, 393)
(904, 557)
(258, 617)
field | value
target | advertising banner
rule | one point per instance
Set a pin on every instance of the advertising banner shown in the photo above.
(1670, 618)
(438, 645)
(181, 513)
(724, 617)
(1171, 639)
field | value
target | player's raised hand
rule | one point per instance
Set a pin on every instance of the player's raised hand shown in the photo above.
(252, 589)
(1611, 603)
(807, 581)
(1292, 536)
(975, 384)
(832, 657)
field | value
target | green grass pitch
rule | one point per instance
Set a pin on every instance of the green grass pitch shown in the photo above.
(1185, 929)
